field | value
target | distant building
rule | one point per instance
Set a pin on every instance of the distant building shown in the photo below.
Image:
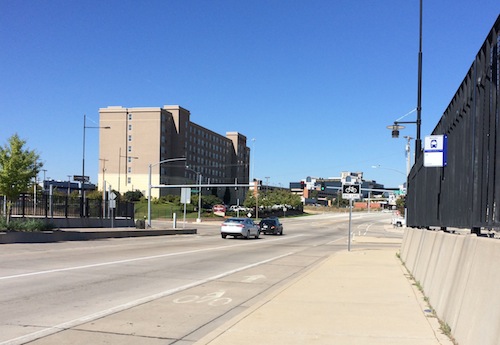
(324, 189)
(66, 187)
(139, 137)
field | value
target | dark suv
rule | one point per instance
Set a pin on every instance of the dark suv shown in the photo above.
(271, 225)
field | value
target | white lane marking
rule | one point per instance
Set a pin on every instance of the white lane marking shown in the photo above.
(249, 279)
(143, 258)
(100, 314)
(365, 226)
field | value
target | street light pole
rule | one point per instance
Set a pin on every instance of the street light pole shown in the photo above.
(418, 140)
(396, 126)
(198, 174)
(199, 199)
(119, 166)
(149, 182)
(408, 154)
(82, 208)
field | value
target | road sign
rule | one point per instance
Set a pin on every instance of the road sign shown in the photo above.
(185, 195)
(435, 151)
(351, 191)
(112, 196)
(81, 178)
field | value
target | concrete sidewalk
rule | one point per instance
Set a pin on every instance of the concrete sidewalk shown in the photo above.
(361, 297)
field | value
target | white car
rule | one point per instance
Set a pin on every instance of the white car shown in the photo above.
(236, 208)
(239, 227)
(398, 221)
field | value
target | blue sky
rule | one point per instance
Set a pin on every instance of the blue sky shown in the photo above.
(315, 83)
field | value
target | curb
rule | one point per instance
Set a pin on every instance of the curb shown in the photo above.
(62, 235)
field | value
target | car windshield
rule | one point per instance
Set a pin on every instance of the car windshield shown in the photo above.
(268, 221)
(235, 220)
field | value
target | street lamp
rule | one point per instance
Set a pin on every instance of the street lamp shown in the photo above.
(198, 175)
(396, 127)
(149, 182)
(82, 208)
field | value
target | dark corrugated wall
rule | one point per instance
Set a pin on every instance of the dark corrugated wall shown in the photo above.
(465, 193)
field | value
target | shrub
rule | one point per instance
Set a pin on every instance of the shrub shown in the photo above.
(27, 225)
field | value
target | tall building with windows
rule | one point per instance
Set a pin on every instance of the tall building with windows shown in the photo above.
(139, 137)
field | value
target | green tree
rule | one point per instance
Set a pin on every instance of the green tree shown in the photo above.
(249, 200)
(339, 201)
(207, 200)
(94, 195)
(133, 195)
(18, 167)
(273, 197)
(401, 204)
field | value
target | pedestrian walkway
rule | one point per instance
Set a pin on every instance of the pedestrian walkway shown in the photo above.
(361, 297)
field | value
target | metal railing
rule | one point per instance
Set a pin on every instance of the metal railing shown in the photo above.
(63, 206)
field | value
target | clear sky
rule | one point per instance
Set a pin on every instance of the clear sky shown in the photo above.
(315, 83)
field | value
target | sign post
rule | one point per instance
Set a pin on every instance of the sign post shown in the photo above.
(185, 199)
(351, 192)
(112, 205)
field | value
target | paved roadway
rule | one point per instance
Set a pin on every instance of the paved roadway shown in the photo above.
(82, 289)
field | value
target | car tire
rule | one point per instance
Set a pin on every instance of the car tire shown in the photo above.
(247, 236)
(223, 235)
(258, 234)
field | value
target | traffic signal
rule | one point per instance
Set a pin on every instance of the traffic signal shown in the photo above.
(322, 185)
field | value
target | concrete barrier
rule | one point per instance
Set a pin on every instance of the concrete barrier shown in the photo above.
(460, 275)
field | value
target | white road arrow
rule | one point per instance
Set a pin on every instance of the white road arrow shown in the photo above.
(250, 279)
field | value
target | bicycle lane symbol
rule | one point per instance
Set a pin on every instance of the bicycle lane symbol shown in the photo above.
(351, 190)
(213, 299)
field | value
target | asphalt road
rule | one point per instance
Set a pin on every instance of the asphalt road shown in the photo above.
(90, 291)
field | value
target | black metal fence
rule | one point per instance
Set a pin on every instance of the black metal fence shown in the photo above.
(57, 206)
(465, 193)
